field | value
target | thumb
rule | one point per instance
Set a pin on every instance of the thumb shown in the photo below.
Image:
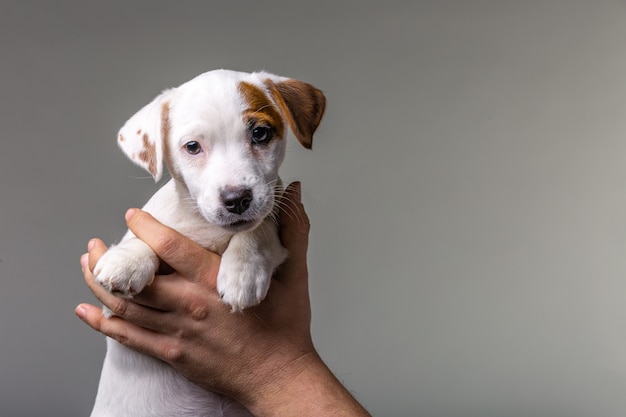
(294, 231)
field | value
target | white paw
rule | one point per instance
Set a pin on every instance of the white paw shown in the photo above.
(243, 283)
(124, 272)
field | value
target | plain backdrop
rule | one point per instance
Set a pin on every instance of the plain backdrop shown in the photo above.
(467, 189)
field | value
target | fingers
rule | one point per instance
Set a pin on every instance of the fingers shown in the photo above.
(96, 250)
(292, 213)
(128, 334)
(294, 232)
(168, 293)
(294, 222)
(138, 314)
(179, 252)
(88, 261)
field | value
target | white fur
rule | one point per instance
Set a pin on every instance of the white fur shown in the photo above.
(208, 110)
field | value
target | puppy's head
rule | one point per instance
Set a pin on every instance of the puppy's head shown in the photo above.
(222, 136)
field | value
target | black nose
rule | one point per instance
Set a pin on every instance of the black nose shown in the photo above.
(236, 199)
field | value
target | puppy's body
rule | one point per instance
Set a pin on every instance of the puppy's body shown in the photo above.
(136, 385)
(222, 137)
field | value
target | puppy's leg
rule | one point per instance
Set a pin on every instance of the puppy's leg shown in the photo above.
(248, 264)
(126, 268)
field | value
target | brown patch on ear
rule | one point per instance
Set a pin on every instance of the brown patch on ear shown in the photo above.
(302, 104)
(165, 136)
(165, 122)
(260, 109)
(148, 154)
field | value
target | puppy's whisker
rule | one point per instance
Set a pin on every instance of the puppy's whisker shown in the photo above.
(266, 238)
(289, 211)
(274, 218)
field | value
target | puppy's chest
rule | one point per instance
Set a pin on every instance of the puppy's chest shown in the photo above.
(171, 207)
(208, 236)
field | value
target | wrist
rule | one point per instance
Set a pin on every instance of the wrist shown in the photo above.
(303, 387)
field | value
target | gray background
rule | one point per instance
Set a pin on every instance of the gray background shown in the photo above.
(467, 189)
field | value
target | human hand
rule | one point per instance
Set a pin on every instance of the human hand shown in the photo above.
(257, 356)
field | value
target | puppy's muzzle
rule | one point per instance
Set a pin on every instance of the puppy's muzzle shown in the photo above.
(236, 199)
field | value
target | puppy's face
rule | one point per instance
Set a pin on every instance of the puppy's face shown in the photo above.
(222, 135)
(227, 142)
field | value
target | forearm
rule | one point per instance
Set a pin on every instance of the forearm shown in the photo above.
(307, 388)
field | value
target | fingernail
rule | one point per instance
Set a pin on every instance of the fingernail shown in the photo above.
(129, 214)
(84, 260)
(91, 243)
(81, 312)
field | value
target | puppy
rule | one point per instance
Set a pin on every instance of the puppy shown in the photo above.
(222, 137)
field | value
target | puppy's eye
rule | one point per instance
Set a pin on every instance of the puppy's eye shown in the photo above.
(261, 135)
(193, 148)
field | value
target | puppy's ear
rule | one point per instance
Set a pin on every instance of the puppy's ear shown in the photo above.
(302, 104)
(142, 137)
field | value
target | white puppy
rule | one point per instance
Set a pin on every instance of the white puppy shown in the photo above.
(222, 137)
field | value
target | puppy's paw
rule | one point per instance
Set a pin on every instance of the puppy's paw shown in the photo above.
(243, 283)
(124, 272)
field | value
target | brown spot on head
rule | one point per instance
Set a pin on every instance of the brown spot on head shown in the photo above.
(148, 154)
(260, 109)
(121, 138)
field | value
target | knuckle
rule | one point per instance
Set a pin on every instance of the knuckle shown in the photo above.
(166, 244)
(119, 307)
(174, 354)
(137, 221)
(119, 335)
(197, 310)
(199, 313)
